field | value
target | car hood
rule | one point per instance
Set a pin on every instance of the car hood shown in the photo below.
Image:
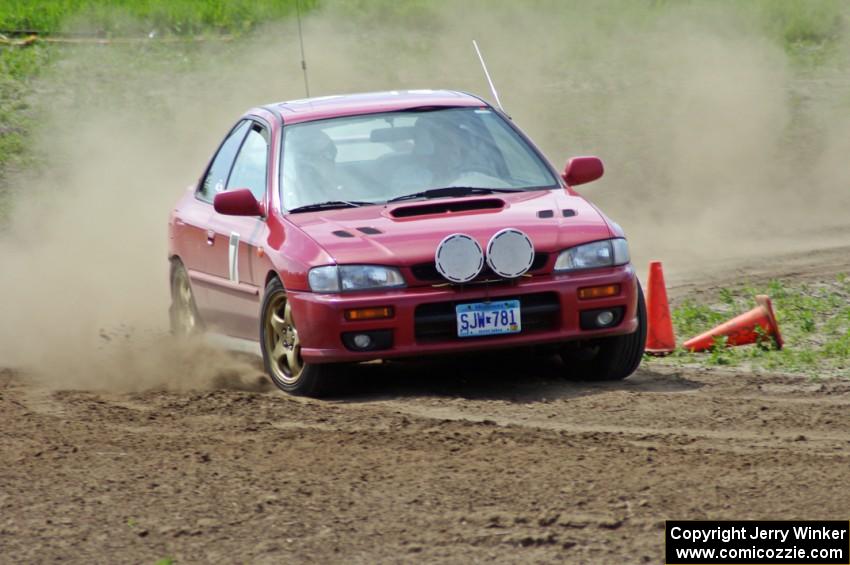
(407, 233)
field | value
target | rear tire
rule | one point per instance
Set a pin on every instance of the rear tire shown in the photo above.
(282, 349)
(609, 358)
(183, 314)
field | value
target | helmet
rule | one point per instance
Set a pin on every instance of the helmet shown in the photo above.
(309, 142)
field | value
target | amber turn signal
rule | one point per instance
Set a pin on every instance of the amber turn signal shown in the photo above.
(374, 313)
(598, 291)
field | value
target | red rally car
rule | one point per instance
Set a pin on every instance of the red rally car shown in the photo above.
(351, 228)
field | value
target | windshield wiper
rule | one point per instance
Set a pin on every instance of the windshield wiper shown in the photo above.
(330, 205)
(452, 191)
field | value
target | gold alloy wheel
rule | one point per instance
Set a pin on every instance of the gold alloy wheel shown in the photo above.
(186, 322)
(281, 340)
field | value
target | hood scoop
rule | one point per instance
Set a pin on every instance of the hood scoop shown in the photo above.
(447, 207)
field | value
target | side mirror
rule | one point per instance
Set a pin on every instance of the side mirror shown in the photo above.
(580, 170)
(240, 202)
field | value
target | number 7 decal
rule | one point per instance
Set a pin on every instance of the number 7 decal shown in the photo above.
(233, 256)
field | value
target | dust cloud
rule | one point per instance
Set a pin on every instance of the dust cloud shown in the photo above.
(715, 145)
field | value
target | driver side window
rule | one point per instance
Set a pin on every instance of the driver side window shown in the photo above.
(216, 177)
(249, 170)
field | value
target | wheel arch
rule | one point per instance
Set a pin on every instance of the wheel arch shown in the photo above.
(270, 276)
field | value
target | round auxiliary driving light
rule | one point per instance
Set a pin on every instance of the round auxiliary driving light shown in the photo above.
(362, 341)
(510, 253)
(604, 318)
(459, 258)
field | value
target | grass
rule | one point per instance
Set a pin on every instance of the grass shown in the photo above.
(189, 17)
(814, 319)
(18, 69)
(795, 23)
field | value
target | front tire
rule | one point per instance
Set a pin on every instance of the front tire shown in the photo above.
(281, 348)
(609, 358)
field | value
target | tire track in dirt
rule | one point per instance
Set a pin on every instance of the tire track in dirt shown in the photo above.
(502, 467)
(743, 416)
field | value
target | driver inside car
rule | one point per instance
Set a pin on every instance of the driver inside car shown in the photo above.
(441, 157)
(314, 160)
(311, 172)
(442, 149)
(437, 156)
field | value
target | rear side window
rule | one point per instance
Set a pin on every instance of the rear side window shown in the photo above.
(216, 178)
(249, 170)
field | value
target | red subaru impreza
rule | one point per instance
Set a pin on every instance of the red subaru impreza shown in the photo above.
(350, 228)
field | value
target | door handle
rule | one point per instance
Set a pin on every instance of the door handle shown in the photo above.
(210, 237)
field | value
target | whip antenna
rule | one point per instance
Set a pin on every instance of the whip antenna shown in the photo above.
(487, 74)
(301, 40)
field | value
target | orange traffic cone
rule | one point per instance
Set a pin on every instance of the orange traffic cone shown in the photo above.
(742, 329)
(660, 339)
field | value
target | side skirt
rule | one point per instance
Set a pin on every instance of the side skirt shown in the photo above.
(231, 343)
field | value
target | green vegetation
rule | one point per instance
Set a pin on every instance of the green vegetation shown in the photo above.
(814, 319)
(132, 16)
(796, 23)
(18, 68)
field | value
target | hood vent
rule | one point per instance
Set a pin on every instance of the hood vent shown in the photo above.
(568, 212)
(343, 233)
(545, 214)
(369, 230)
(448, 207)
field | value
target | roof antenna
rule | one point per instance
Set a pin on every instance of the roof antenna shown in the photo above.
(301, 40)
(487, 74)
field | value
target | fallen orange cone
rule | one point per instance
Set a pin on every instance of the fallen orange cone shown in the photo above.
(660, 339)
(743, 329)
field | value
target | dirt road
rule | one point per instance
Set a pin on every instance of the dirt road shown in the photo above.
(471, 460)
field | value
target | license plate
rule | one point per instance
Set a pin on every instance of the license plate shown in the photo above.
(488, 318)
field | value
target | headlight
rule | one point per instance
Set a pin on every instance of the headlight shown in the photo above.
(342, 278)
(591, 255)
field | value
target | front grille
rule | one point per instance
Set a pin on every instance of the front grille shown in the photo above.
(427, 272)
(438, 322)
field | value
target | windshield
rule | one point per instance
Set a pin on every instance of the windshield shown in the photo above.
(370, 159)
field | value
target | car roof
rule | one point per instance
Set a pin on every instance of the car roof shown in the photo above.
(323, 107)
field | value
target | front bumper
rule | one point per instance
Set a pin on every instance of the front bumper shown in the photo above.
(551, 302)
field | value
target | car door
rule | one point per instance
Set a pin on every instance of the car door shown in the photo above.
(193, 222)
(234, 300)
